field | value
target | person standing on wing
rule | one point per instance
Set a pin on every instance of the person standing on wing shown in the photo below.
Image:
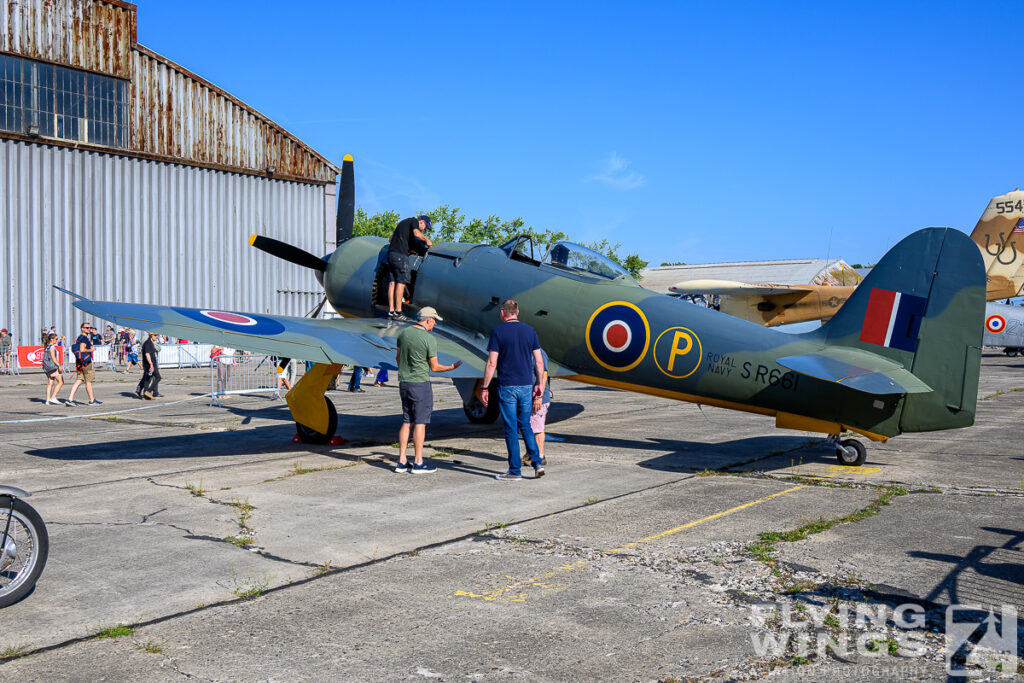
(398, 259)
(417, 358)
(514, 352)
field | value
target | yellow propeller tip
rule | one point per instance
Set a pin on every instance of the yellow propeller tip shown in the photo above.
(252, 239)
(347, 157)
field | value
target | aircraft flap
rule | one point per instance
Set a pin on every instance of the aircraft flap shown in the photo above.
(856, 369)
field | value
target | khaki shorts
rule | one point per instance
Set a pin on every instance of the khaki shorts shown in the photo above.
(86, 373)
(537, 419)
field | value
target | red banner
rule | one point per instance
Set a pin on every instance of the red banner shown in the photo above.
(32, 356)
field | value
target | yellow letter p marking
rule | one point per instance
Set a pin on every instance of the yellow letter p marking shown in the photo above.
(676, 351)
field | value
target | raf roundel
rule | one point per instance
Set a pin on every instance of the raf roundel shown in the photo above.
(995, 323)
(618, 336)
(234, 322)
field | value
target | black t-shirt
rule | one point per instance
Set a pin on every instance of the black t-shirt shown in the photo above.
(150, 348)
(403, 237)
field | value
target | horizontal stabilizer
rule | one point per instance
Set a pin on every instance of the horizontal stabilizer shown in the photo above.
(856, 369)
(734, 288)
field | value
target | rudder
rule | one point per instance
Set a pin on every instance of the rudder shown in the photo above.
(923, 306)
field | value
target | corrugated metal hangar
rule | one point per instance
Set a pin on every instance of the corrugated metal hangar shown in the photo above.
(125, 177)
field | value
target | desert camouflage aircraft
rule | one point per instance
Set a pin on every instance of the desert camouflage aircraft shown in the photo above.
(902, 355)
(999, 233)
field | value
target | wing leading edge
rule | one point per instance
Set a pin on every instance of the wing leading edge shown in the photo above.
(350, 341)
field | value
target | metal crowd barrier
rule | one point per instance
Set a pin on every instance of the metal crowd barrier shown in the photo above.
(9, 362)
(246, 373)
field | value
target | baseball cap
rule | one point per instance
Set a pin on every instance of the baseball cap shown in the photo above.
(426, 219)
(429, 312)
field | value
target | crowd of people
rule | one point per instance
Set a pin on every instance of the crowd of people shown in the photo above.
(125, 348)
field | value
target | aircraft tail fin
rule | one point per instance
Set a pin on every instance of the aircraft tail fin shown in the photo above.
(922, 307)
(1000, 235)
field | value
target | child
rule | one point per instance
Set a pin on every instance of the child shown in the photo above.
(54, 371)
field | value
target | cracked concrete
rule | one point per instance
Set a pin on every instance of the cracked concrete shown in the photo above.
(622, 563)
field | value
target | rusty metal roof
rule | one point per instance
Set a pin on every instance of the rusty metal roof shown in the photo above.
(175, 115)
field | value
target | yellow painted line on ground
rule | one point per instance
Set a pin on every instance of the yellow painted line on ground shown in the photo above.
(709, 518)
(835, 470)
(516, 592)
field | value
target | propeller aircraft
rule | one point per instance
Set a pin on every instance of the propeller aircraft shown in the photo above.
(902, 355)
(999, 233)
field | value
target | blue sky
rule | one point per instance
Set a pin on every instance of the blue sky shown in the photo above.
(684, 131)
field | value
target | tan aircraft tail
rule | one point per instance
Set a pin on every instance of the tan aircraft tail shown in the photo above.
(1000, 235)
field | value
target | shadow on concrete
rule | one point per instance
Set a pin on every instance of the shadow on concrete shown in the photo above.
(689, 455)
(983, 561)
(357, 430)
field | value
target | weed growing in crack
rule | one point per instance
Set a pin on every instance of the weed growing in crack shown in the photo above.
(252, 587)
(151, 647)
(197, 491)
(114, 632)
(13, 652)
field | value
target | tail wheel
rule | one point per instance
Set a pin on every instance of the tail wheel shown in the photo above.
(312, 436)
(851, 452)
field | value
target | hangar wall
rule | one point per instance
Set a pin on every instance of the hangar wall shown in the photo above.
(124, 176)
(128, 229)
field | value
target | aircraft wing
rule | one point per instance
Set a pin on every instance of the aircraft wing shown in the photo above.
(856, 369)
(734, 288)
(368, 342)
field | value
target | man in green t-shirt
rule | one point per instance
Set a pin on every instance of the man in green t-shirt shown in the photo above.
(417, 358)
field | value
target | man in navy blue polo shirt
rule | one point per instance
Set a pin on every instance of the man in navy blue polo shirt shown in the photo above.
(514, 353)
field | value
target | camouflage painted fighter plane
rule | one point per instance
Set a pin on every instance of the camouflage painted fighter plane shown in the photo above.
(999, 233)
(902, 355)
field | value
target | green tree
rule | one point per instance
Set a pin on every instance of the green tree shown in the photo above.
(451, 225)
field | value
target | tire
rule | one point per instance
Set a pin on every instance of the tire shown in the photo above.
(312, 436)
(855, 461)
(28, 534)
(478, 413)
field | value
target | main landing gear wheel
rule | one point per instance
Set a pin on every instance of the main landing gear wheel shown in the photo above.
(312, 436)
(478, 413)
(851, 452)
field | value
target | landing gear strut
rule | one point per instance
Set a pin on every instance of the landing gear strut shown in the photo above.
(849, 452)
(316, 419)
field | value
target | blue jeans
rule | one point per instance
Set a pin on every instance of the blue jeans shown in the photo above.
(357, 376)
(515, 403)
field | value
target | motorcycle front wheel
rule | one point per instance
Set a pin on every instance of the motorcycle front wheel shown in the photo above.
(23, 554)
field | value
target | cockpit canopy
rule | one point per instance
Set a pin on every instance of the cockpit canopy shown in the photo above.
(567, 256)
(575, 257)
